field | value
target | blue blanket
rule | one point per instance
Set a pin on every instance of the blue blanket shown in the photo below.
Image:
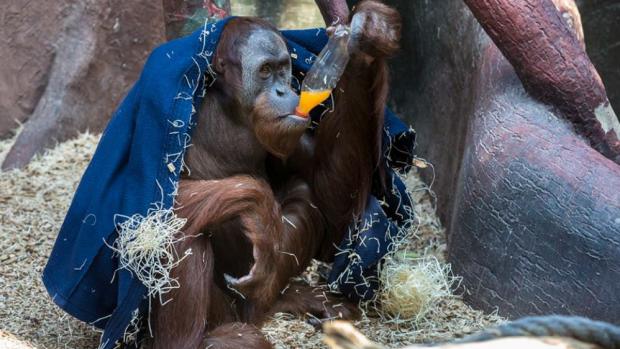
(135, 170)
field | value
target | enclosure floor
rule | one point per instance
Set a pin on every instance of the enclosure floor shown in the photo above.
(33, 203)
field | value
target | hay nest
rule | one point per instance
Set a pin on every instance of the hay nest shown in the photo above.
(33, 202)
(412, 287)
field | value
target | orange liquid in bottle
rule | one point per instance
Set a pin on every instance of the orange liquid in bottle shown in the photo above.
(310, 99)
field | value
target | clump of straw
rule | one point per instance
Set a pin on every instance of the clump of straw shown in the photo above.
(410, 288)
(145, 246)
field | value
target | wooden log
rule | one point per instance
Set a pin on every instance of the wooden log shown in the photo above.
(343, 335)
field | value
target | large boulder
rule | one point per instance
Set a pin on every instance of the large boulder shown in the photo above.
(532, 210)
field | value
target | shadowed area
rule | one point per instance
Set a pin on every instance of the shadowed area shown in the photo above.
(601, 27)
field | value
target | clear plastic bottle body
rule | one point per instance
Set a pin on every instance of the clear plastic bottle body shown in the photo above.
(322, 78)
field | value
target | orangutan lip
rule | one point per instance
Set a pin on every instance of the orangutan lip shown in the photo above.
(298, 118)
(293, 118)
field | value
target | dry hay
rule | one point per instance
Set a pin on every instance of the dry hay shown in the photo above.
(33, 203)
(412, 287)
(145, 245)
(443, 315)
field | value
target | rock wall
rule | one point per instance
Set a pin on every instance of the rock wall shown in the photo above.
(531, 210)
(69, 63)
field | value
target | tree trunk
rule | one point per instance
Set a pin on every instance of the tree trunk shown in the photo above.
(342, 335)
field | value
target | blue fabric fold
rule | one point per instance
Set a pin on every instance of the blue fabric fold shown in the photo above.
(367, 240)
(136, 167)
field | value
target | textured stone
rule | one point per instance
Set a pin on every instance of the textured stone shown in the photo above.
(531, 209)
(68, 64)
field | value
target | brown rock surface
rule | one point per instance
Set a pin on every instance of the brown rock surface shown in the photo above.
(67, 64)
(533, 223)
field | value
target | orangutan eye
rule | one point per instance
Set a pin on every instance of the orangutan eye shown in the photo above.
(265, 71)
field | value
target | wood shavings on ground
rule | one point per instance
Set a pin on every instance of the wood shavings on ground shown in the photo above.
(446, 319)
(33, 202)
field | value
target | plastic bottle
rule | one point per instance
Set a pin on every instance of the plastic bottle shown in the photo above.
(325, 72)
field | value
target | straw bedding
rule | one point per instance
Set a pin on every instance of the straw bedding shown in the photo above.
(33, 202)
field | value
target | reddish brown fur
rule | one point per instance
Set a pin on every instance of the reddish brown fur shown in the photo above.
(235, 336)
(316, 301)
(348, 140)
(235, 208)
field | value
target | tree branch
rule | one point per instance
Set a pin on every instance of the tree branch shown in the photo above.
(333, 11)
